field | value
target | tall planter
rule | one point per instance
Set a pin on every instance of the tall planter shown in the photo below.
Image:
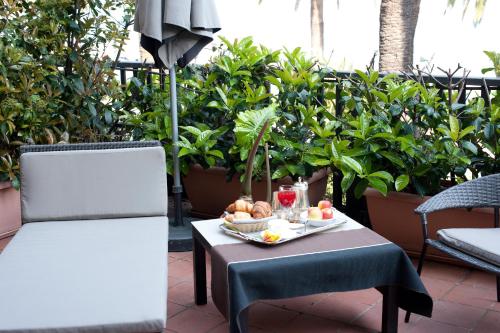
(10, 210)
(394, 218)
(210, 193)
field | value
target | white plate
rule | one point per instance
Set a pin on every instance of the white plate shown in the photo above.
(321, 223)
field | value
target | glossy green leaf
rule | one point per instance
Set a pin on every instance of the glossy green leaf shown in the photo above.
(295, 169)
(280, 173)
(377, 184)
(214, 104)
(382, 174)
(401, 182)
(316, 161)
(353, 164)
(383, 97)
(249, 123)
(347, 181)
(184, 151)
(363, 76)
(216, 153)
(333, 148)
(469, 146)
(222, 95)
(454, 127)
(466, 131)
(394, 158)
(191, 129)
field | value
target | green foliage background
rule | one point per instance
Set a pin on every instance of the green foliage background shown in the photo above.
(393, 133)
(58, 84)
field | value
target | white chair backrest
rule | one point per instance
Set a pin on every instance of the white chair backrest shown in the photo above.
(93, 184)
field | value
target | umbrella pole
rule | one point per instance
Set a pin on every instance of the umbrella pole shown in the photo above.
(179, 235)
(177, 188)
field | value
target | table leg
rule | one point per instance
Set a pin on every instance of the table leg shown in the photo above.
(390, 310)
(200, 271)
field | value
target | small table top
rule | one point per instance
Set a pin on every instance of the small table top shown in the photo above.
(213, 235)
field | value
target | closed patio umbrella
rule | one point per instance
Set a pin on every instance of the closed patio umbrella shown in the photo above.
(175, 31)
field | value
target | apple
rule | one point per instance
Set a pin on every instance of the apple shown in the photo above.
(327, 213)
(314, 213)
(324, 204)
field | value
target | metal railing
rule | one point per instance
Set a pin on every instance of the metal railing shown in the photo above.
(483, 84)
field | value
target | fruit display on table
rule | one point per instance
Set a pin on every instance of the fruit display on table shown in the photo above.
(322, 213)
(273, 231)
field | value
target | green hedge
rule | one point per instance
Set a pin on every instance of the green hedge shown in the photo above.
(58, 85)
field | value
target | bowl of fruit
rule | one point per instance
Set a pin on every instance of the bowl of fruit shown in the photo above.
(247, 217)
(321, 215)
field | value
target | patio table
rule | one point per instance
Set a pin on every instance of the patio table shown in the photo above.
(349, 257)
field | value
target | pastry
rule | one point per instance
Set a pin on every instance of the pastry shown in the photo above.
(237, 216)
(242, 216)
(261, 209)
(243, 206)
(239, 206)
(231, 208)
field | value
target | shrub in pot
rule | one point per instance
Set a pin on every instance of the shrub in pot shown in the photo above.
(213, 98)
(400, 135)
(246, 130)
(56, 82)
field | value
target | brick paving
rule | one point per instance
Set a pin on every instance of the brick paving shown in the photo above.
(464, 301)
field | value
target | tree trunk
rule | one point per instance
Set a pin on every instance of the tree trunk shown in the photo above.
(317, 29)
(398, 20)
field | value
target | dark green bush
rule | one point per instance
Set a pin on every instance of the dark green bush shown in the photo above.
(394, 133)
(57, 81)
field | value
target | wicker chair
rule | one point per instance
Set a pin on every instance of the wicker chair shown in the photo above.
(481, 192)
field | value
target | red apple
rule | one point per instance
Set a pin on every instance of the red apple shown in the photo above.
(324, 204)
(327, 213)
(314, 213)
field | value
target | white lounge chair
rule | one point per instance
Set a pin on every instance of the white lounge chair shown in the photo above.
(91, 255)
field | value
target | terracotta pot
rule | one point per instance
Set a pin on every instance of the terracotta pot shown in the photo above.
(10, 210)
(210, 193)
(394, 218)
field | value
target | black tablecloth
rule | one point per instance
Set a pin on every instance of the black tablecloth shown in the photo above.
(327, 262)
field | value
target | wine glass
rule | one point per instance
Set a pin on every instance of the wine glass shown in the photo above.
(286, 197)
(276, 205)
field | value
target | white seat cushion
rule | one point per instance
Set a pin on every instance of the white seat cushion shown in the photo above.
(483, 243)
(86, 276)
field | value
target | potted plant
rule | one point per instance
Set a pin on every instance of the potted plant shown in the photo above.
(241, 77)
(399, 135)
(56, 84)
(246, 130)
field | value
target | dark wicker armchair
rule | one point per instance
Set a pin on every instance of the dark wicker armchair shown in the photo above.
(481, 192)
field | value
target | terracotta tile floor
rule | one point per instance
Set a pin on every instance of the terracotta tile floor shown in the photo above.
(464, 301)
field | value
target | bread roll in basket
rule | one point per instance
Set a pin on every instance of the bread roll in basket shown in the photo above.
(247, 217)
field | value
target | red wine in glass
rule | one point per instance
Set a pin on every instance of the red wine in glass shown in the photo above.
(286, 197)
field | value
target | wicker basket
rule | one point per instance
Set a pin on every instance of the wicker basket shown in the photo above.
(247, 227)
